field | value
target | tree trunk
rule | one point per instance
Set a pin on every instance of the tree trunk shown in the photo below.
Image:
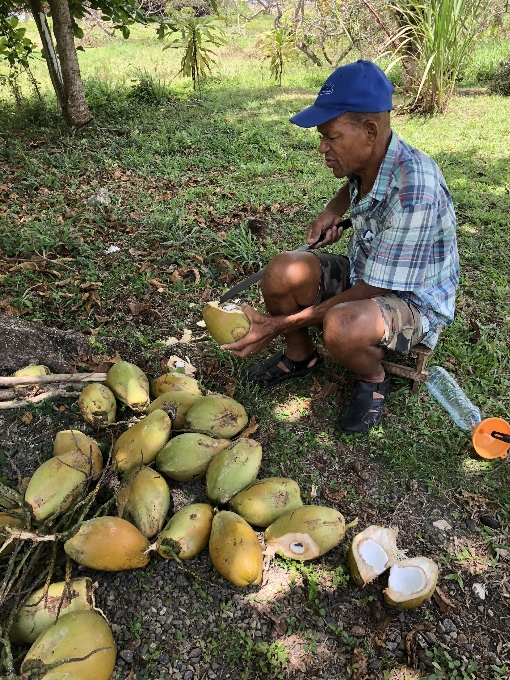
(75, 107)
(49, 52)
(311, 55)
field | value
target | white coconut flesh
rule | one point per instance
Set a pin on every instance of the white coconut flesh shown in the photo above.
(374, 555)
(412, 579)
(296, 546)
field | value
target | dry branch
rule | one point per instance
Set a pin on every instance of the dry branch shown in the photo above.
(20, 403)
(52, 378)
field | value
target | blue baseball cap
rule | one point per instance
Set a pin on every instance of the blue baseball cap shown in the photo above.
(360, 87)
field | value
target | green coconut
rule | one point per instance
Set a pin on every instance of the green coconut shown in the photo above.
(218, 416)
(187, 533)
(306, 533)
(40, 610)
(140, 444)
(233, 469)
(180, 400)
(226, 323)
(82, 635)
(97, 405)
(108, 544)
(72, 440)
(174, 381)
(145, 501)
(267, 499)
(186, 457)
(32, 371)
(235, 549)
(129, 384)
(14, 520)
(411, 582)
(372, 551)
(59, 482)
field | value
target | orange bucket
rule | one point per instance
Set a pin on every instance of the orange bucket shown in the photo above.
(485, 444)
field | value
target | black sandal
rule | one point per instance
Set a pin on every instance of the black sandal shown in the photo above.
(364, 410)
(267, 373)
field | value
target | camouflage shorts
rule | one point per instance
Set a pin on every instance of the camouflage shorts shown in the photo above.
(402, 321)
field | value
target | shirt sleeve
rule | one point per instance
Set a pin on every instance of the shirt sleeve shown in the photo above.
(400, 253)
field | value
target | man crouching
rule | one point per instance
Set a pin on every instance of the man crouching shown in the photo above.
(397, 286)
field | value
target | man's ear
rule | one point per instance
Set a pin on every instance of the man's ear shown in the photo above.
(371, 130)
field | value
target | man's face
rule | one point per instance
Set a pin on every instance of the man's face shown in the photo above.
(345, 146)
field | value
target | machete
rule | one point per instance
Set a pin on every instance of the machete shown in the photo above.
(244, 285)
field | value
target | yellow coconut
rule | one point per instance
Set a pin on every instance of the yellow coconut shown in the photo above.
(38, 612)
(13, 520)
(83, 635)
(74, 440)
(372, 551)
(140, 444)
(108, 544)
(235, 549)
(186, 457)
(267, 499)
(187, 533)
(226, 323)
(145, 501)
(180, 402)
(58, 482)
(307, 532)
(97, 405)
(129, 384)
(218, 416)
(411, 582)
(233, 469)
(174, 381)
(32, 371)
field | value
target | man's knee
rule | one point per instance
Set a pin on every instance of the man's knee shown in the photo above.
(289, 271)
(353, 324)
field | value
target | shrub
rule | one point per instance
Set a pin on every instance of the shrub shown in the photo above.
(201, 8)
(501, 82)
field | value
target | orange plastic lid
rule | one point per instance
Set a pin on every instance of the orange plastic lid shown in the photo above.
(485, 445)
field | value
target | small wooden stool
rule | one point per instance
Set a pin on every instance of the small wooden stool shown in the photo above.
(416, 373)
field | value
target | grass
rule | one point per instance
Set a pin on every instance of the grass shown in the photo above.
(185, 173)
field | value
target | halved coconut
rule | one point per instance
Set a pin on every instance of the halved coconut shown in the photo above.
(372, 551)
(226, 323)
(411, 582)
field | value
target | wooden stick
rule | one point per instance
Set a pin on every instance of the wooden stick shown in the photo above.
(18, 403)
(52, 378)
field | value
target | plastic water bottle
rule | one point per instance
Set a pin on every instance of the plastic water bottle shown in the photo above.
(450, 395)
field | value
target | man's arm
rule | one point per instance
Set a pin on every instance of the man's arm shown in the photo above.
(264, 327)
(327, 220)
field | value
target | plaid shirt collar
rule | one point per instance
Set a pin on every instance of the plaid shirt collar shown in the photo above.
(378, 191)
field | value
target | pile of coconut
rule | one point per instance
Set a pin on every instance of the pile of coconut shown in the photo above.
(185, 436)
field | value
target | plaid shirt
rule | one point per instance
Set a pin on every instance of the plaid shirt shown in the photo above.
(404, 236)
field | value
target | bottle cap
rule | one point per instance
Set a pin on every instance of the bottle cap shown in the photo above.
(485, 444)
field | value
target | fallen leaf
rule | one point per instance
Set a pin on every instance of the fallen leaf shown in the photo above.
(359, 662)
(230, 386)
(26, 418)
(90, 285)
(206, 295)
(358, 631)
(132, 251)
(175, 277)
(443, 602)
(184, 271)
(171, 341)
(65, 282)
(501, 552)
(196, 258)
(325, 391)
(250, 429)
(186, 337)
(442, 525)
(334, 496)
(156, 283)
(101, 319)
(360, 471)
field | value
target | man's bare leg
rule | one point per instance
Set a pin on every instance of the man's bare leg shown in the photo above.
(291, 283)
(352, 332)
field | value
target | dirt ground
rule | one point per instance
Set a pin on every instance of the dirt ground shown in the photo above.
(309, 622)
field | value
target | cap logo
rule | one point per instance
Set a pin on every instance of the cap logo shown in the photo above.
(327, 88)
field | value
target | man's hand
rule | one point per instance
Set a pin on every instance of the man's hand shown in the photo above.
(263, 329)
(325, 223)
